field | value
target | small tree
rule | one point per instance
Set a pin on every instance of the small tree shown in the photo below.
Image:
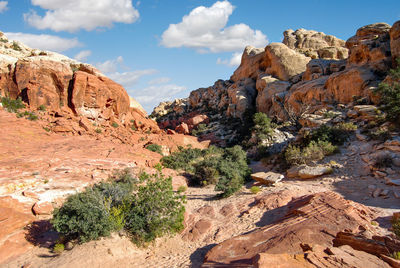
(390, 94)
(262, 126)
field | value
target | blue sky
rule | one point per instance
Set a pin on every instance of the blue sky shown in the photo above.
(163, 49)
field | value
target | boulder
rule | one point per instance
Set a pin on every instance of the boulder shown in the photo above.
(42, 208)
(252, 60)
(315, 44)
(98, 97)
(282, 62)
(313, 172)
(267, 178)
(319, 67)
(241, 97)
(311, 220)
(371, 45)
(268, 89)
(183, 128)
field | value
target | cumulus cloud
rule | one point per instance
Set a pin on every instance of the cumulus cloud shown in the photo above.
(73, 15)
(159, 80)
(3, 6)
(233, 62)
(151, 96)
(205, 30)
(44, 41)
(128, 79)
(83, 55)
(110, 66)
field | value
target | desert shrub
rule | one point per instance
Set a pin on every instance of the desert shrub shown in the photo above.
(155, 210)
(182, 159)
(98, 130)
(133, 128)
(28, 115)
(146, 207)
(396, 255)
(114, 124)
(12, 106)
(154, 148)
(226, 168)
(16, 47)
(314, 151)
(182, 189)
(336, 135)
(262, 126)
(42, 108)
(85, 216)
(58, 248)
(396, 227)
(380, 133)
(255, 189)
(390, 94)
(200, 129)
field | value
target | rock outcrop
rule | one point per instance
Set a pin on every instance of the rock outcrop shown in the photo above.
(309, 225)
(307, 72)
(75, 91)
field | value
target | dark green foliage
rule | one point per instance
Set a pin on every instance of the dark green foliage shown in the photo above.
(12, 106)
(16, 47)
(314, 151)
(336, 135)
(226, 168)
(98, 130)
(262, 126)
(390, 94)
(42, 108)
(85, 216)
(381, 134)
(28, 115)
(396, 227)
(154, 148)
(146, 208)
(155, 210)
(200, 129)
(182, 159)
(114, 125)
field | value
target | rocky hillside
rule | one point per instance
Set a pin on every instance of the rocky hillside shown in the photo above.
(77, 97)
(305, 73)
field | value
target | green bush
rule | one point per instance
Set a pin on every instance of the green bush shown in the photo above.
(226, 168)
(390, 94)
(98, 130)
(396, 255)
(182, 159)
(42, 108)
(12, 106)
(58, 248)
(396, 227)
(336, 135)
(146, 207)
(154, 148)
(114, 125)
(28, 115)
(255, 189)
(314, 151)
(262, 126)
(200, 129)
(155, 210)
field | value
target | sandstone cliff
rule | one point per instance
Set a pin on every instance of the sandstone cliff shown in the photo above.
(77, 94)
(307, 72)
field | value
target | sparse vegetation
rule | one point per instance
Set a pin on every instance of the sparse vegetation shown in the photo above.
(12, 106)
(114, 124)
(42, 108)
(396, 226)
(314, 151)
(58, 248)
(46, 129)
(16, 47)
(154, 148)
(98, 130)
(200, 129)
(395, 255)
(227, 169)
(146, 207)
(390, 94)
(262, 126)
(255, 189)
(380, 133)
(28, 115)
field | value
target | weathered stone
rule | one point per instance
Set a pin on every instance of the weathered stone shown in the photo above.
(307, 172)
(395, 41)
(43, 208)
(250, 65)
(267, 178)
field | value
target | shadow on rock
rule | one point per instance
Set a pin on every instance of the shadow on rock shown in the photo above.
(40, 234)
(197, 257)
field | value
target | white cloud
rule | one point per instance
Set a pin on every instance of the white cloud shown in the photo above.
(233, 62)
(110, 66)
(44, 41)
(160, 80)
(3, 6)
(73, 15)
(128, 79)
(82, 56)
(151, 96)
(204, 29)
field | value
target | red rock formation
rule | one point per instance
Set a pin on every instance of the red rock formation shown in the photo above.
(313, 219)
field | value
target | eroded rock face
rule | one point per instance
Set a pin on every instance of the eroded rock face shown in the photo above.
(371, 45)
(252, 60)
(315, 44)
(282, 62)
(312, 220)
(395, 40)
